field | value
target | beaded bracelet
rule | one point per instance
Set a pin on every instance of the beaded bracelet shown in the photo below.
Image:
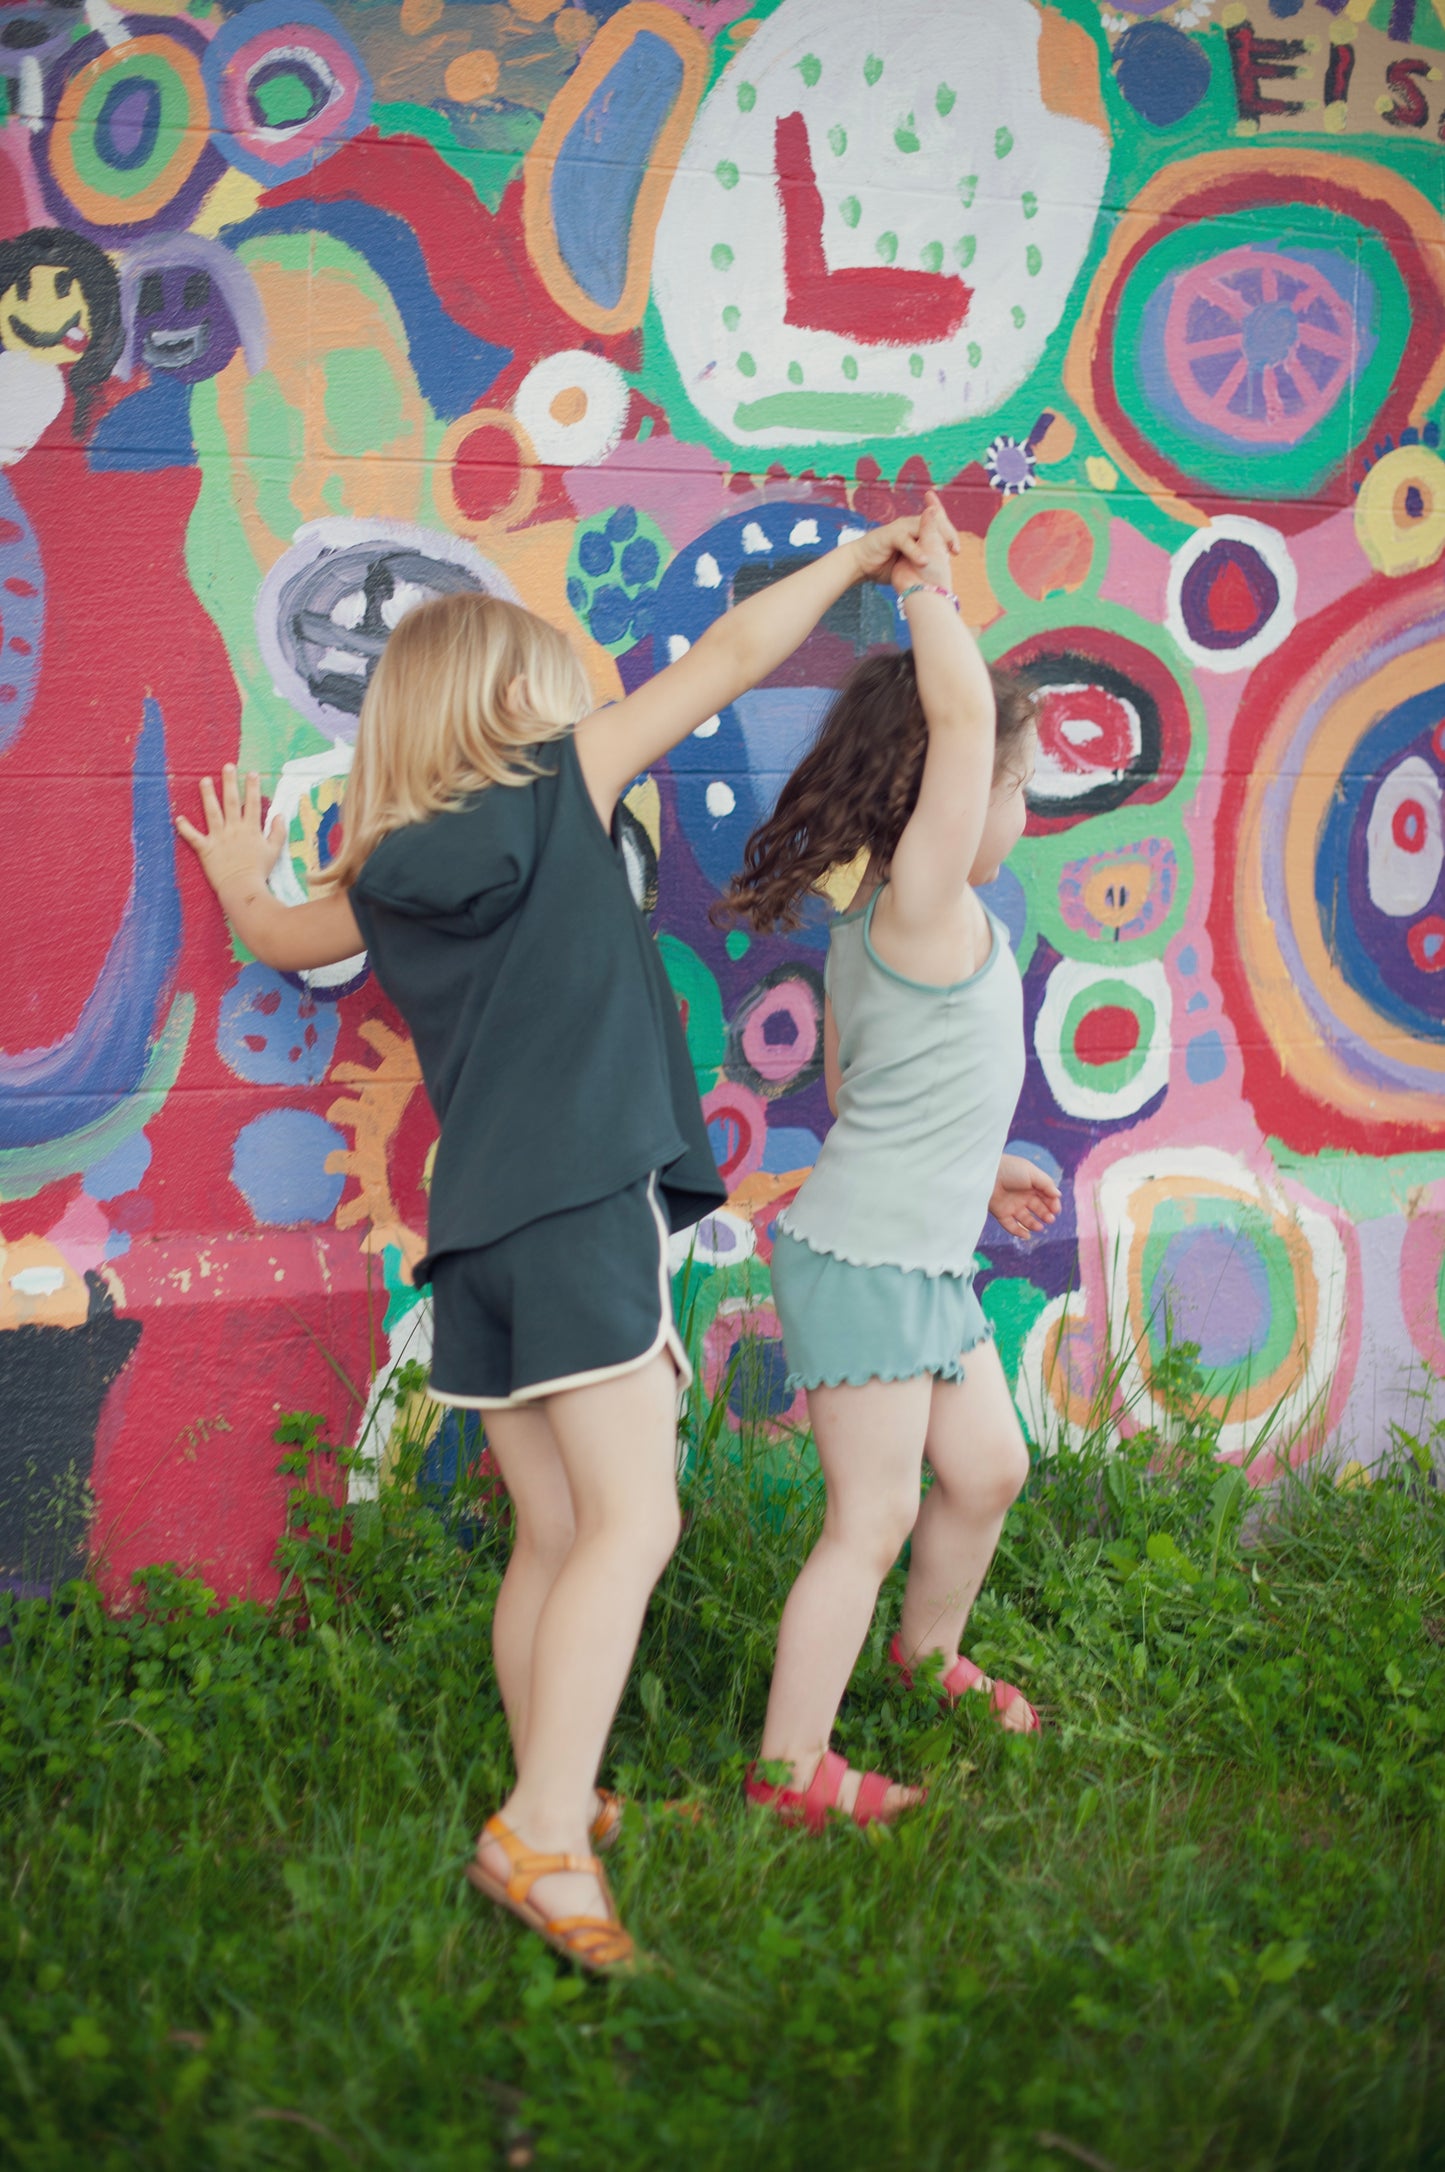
(925, 588)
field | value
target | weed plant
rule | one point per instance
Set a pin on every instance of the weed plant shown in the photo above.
(1197, 1925)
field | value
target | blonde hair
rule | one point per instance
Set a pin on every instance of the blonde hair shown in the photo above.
(465, 686)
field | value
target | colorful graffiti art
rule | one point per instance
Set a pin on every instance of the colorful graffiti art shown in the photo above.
(622, 309)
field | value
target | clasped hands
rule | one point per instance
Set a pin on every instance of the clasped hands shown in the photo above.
(915, 548)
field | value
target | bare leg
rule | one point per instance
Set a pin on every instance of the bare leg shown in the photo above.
(526, 1450)
(979, 1464)
(617, 1444)
(870, 1444)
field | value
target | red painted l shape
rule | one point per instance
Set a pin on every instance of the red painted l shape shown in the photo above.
(882, 308)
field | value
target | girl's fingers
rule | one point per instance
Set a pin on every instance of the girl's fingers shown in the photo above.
(230, 796)
(251, 804)
(190, 833)
(210, 804)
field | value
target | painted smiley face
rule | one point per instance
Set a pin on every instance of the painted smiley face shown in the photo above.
(45, 314)
(184, 326)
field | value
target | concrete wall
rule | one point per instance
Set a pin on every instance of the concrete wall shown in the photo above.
(621, 311)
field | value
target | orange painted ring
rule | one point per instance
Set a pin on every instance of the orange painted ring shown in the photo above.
(1290, 1023)
(1253, 1398)
(1401, 214)
(566, 109)
(529, 479)
(92, 205)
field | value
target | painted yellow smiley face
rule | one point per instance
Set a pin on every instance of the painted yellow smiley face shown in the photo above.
(45, 314)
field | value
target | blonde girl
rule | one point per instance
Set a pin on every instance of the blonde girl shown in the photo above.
(481, 869)
(921, 765)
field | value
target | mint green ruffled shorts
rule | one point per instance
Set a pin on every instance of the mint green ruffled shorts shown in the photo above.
(844, 1324)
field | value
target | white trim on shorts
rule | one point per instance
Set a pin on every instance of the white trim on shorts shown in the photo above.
(667, 1338)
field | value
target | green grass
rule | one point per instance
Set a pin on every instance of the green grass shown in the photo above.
(1200, 1924)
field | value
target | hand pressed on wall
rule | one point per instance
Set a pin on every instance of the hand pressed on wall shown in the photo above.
(235, 842)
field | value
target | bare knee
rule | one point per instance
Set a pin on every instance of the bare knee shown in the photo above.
(1012, 1469)
(643, 1534)
(547, 1536)
(663, 1529)
(874, 1537)
(993, 1478)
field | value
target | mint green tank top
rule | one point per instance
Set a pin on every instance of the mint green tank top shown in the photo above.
(930, 1080)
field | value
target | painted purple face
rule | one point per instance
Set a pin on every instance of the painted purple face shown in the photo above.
(184, 328)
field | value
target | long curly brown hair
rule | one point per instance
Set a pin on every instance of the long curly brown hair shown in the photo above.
(856, 787)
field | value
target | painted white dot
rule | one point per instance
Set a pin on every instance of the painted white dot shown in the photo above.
(849, 535)
(677, 646)
(45, 1281)
(349, 610)
(721, 799)
(707, 573)
(345, 660)
(404, 597)
(551, 389)
(804, 531)
(754, 540)
(708, 728)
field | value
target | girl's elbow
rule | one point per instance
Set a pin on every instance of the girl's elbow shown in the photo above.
(274, 955)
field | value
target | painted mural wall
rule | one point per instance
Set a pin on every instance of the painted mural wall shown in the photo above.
(308, 313)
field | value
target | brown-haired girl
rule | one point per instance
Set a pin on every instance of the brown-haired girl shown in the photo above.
(482, 870)
(921, 765)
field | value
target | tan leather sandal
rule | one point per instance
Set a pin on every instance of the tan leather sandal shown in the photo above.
(608, 1822)
(596, 1942)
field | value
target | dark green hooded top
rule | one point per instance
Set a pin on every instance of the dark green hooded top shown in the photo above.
(548, 1035)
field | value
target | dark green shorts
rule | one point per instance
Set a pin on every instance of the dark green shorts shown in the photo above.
(566, 1302)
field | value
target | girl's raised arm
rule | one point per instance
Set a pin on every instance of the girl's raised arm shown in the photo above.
(936, 853)
(236, 856)
(737, 652)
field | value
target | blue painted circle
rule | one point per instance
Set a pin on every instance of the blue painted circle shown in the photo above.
(128, 123)
(121, 1170)
(758, 1388)
(279, 1168)
(273, 1032)
(594, 554)
(1163, 74)
(1370, 947)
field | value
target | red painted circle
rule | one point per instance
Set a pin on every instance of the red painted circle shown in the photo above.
(1106, 1035)
(1232, 606)
(485, 472)
(1427, 944)
(1086, 728)
(1408, 826)
(1052, 554)
(1100, 676)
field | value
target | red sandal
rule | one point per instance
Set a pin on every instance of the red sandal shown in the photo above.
(809, 1806)
(964, 1677)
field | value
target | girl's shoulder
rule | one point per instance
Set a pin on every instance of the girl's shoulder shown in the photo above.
(475, 858)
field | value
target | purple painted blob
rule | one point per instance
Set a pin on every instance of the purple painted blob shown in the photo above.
(1217, 1289)
(187, 305)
